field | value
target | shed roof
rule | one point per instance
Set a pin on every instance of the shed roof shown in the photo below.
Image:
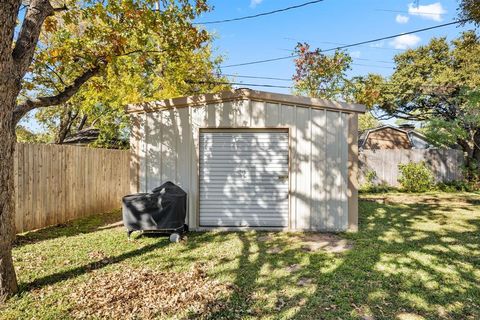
(244, 94)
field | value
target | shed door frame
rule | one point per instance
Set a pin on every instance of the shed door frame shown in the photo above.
(250, 130)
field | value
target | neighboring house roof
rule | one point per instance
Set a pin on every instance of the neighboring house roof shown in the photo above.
(85, 136)
(416, 139)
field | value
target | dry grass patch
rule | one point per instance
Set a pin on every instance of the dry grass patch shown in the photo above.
(145, 293)
(324, 241)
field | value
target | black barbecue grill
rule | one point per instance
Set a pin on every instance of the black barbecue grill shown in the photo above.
(163, 210)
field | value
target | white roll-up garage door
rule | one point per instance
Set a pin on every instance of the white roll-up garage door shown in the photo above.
(244, 178)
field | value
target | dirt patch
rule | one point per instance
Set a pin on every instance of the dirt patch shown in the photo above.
(274, 250)
(302, 282)
(324, 241)
(293, 267)
(265, 238)
(145, 294)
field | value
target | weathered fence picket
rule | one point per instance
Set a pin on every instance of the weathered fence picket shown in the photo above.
(56, 183)
(446, 164)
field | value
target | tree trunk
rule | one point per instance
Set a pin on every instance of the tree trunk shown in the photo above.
(8, 279)
(476, 147)
(82, 122)
(65, 126)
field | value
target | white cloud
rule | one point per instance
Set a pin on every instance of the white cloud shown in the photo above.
(432, 11)
(377, 45)
(254, 3)
(405, 41)
(355, 54)
(402, 19)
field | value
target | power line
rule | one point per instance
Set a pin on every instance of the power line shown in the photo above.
(355, 58)
(413, 13)
(239, 84)
(256, 77)
(342, 44)
(350, 45)
(291, 87)
(261, 14)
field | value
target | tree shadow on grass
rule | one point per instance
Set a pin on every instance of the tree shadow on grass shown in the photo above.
(408, 260)
(94, 223)
(96, 265)
(403, 263)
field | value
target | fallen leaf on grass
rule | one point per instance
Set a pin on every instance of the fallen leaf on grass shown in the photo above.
(96, 255)
(145, 293)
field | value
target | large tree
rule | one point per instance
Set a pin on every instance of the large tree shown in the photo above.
(100, 103)
(438, 84)
(79, 40)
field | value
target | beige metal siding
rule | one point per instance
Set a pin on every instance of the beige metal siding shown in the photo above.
(318, 155)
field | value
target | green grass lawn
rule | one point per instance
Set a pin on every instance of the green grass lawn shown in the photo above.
(415, 257)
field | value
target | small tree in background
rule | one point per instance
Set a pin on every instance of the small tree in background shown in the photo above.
(319, 75)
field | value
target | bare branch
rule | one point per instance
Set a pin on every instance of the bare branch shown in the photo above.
(55, 73)
(62, 8)
(60, 98)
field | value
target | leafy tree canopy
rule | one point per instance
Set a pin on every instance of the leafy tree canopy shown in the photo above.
(129, 51)
(470, 9)
(438, 84)
(367, 121)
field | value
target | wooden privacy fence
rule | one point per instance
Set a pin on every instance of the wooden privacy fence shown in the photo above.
(446, 164)
(55, 184)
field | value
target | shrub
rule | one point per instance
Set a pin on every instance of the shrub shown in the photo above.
(370, 177)
(457, 185)
(415, 177)
(370, 186)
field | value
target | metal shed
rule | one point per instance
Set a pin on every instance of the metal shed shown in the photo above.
(252, 159)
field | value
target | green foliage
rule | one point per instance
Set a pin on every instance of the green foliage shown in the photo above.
(370, 186)
(470, 9)
(444, 133)
(370, 177)
(144, 55)
(437, 84)
(457, 186)
(367, 121)
(365, 90)
(26, 136)
(415, 177)
(321, 76)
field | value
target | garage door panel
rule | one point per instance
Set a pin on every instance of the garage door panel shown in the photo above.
(236, 222)
(242, 179)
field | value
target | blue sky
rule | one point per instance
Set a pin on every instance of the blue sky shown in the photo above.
(323, 25)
